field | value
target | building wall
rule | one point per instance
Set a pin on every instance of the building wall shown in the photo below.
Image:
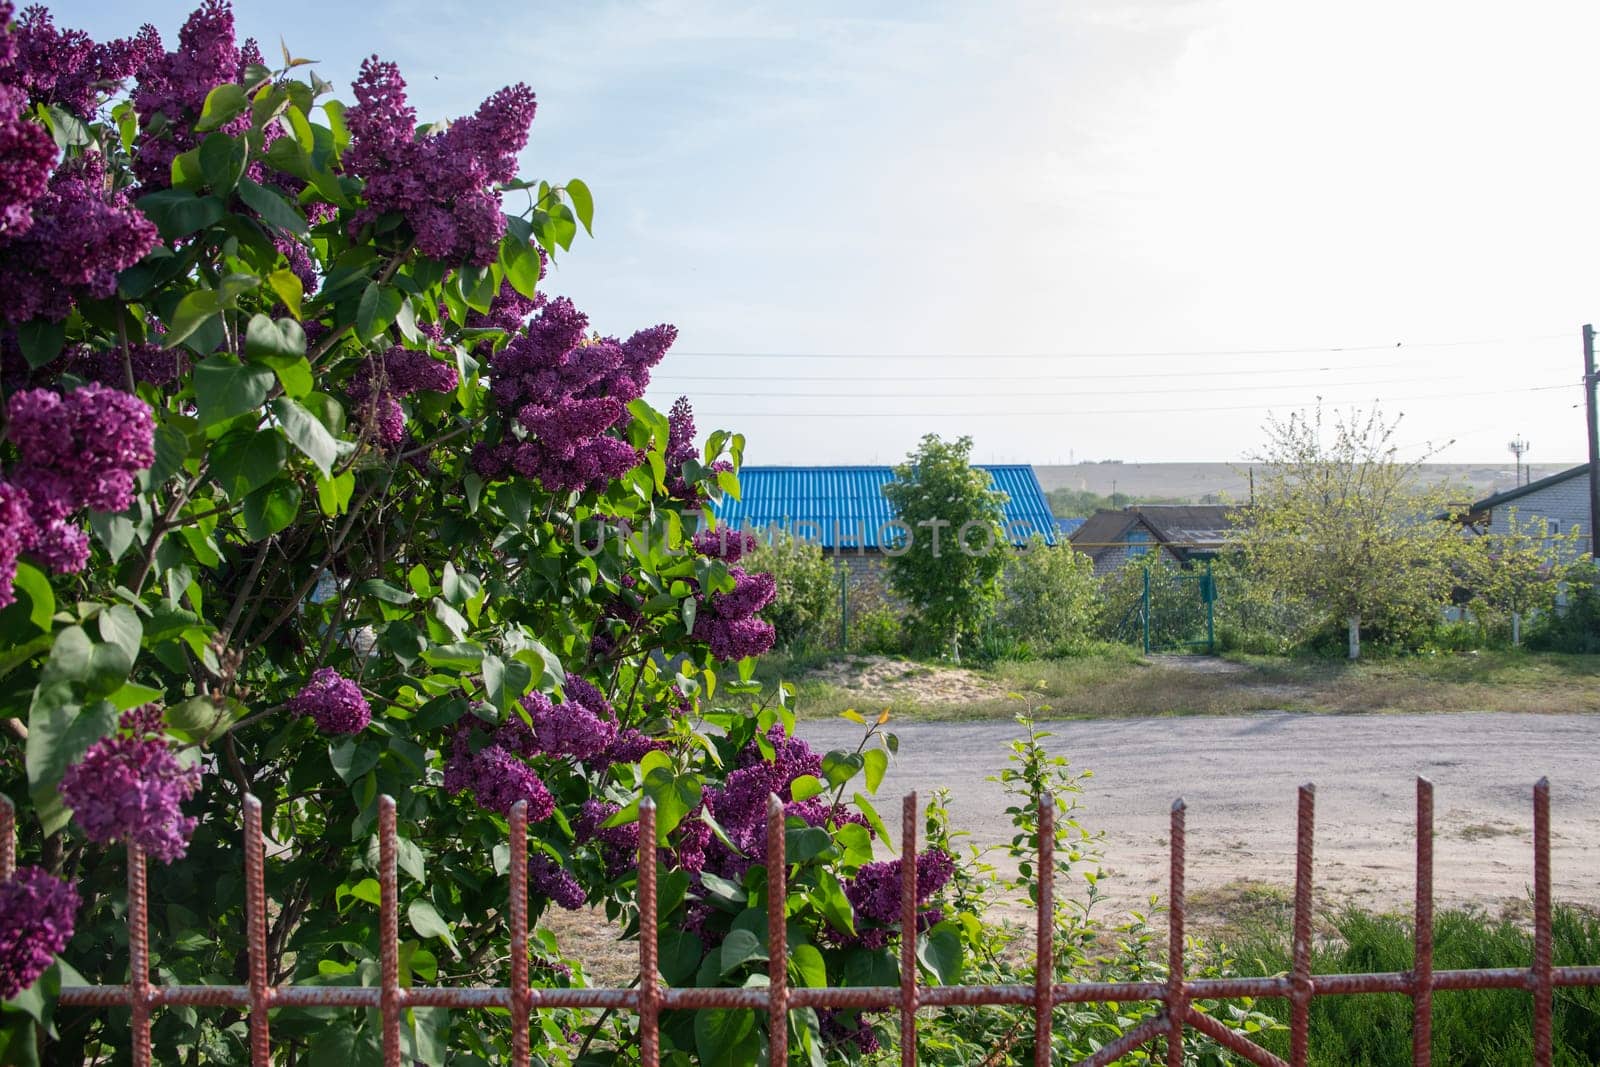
(1566, 503)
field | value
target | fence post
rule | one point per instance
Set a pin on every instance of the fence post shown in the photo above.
(844, 608)
(1211, 611)
(1145, 613)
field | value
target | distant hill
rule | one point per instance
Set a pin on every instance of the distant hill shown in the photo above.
(1194, 481)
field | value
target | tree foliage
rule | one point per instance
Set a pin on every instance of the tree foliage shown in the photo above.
(804, 611)
(1342, 522)
(1051, 597)
(948, 569)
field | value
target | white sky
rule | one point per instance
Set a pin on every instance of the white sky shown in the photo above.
(1101, 176)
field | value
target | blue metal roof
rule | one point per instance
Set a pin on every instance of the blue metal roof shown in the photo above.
(1068, 527)
(844, 507)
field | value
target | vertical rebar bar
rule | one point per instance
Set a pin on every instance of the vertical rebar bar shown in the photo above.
(1422, 960)
(8, 837)
(255, 903)
(388, 933)
(1543, 990)
(1044, 953)
(1176, 1003)
(908, 931)
(1300, 995)
(777, 935)
(521, 1007)
(649, 976)
(139, 955)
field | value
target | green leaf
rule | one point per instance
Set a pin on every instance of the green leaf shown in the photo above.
(274, 342)
(59, 731)
(115, 531)
(120, 626)
(273, 209)
(877, 762)
(244, 460)
(939, 952)
(829, 899)
(306, 432)
(873, 819)
(806, 786)
(222, 162)
(806, 843)
(271, 508)
(680, 953)
(223, 104)
(290, 289)
(582, 203)
(193, 312)
(385, 592)
(739, 948)
(179, 212)
(839, 766)
(726, 1037)
(41, 340)
(521, 264)
(807, 967)
(225, 388)
(351, 759)
(425, 920)
(333, 494)
(379, 305)
(32, 581)
(199, 718)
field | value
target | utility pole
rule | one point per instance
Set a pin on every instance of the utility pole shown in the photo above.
(1589, 382)
(1518, 447)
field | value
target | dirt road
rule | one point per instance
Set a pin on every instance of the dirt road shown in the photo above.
(1238, 776)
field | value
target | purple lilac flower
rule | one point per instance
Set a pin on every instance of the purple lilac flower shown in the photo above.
(497, 778)
(550, 879)
(129, 788)
(725, 543)
(27, 151)
(15, 526)
(582, 726)
(728, 621)
(37, 914)
(334, 701)
(150, 363)
(81, 235)
(842, 1027)
(618, 845)
(681, 450)
(740, 803)
(874, 893)
(81, 449)
(383, 378)
(566, 394)
(441, 183)
(66, 67)
(175, 84)
(508, 311)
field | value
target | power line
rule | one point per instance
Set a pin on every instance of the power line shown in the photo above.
(1035, 392)
(1057, 412)
(1174, 353)
(1254, 373)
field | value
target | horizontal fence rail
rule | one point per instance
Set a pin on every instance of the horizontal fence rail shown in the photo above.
(1176, 993)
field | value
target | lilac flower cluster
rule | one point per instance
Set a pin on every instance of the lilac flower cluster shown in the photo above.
(150, 363)
(875, 895)
(174, 86)
(130, 787)
(27, 151)
(37, 914)
(384, 378)
(508, 311)
(582, 726)
(729, 622)
(618, 846)
(77, 450)
(740, 802)
(725, 543)
(565, 394)
(441, 183)
(548, 878)
(80, 235)
(334, 701)
(496, 775)
(67, 68)
(681, 450)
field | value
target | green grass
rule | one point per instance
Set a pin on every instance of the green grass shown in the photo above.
(1116, 681)
(1473, 1028)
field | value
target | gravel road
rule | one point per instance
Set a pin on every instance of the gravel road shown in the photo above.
(1238, 775)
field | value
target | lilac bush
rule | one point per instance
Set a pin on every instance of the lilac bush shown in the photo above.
(299, 472)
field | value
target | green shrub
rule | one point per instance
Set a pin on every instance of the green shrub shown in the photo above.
(805, 610)
(876, 621)
(1050, 602)
(1177, 614)
(1575, 627)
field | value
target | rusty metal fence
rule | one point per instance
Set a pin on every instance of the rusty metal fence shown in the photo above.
(1177, 994)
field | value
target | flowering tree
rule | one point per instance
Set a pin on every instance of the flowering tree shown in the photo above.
(311, 492)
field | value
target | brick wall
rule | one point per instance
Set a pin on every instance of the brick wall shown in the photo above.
(1566, 503)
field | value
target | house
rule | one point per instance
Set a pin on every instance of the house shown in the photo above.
(1561, 500)
(1180, 531)
(843, 509)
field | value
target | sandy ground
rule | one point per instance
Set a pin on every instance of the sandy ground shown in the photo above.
(1238, 776)
(883, 679)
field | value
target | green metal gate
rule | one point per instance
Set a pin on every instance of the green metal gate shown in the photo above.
(1179, 610)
